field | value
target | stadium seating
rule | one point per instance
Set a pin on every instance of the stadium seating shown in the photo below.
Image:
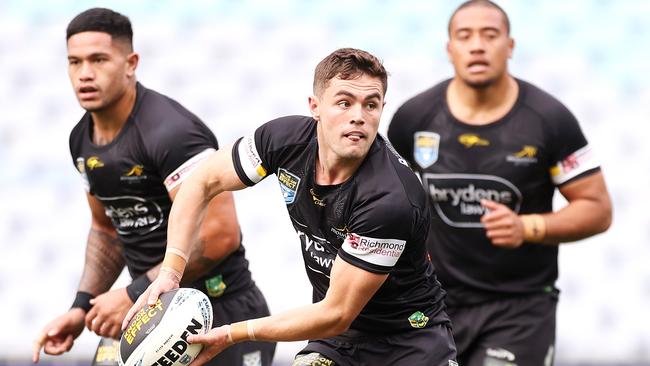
(238, 64)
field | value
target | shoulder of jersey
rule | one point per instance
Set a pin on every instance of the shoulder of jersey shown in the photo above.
(159, 111)
(291, 129)
(77, 132)
(539, 100)
(428, 97)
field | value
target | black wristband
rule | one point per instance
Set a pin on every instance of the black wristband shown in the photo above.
(82, 300)
(138, 287)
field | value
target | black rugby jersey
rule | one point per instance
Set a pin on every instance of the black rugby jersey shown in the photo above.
(159, 146)
(376, 220)
(516, 161)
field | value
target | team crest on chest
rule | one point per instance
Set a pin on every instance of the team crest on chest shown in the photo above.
(94, 162)
(425, 148)
(288, 184)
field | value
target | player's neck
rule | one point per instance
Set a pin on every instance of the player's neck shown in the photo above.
(331, 169)
(108, 122)
(480, 106)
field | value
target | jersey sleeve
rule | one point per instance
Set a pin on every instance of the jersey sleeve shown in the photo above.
(571, 155)
(247, 159)
(79, 162)
(377, 238)
(259, 154)
(178, 149)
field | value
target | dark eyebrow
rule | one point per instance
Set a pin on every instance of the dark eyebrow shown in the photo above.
(344, 93)
(350, 95)
(92, 55)
(374, 96)
(468, 29)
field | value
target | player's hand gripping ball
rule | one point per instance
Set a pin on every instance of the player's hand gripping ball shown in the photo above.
(157, 335)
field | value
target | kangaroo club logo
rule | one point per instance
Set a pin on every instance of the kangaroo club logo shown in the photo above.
(135, 171)
(471, 139)
(94, 162)
(135, 174)
(527, 155)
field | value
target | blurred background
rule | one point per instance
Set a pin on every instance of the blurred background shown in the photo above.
(237, 64)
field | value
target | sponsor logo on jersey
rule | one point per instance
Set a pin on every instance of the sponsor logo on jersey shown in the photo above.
(425, 148)
(315, 199)
(215, 286)
(457, 197)
(527, 155)
(94, 162)
(132, 215)
(81, 167)
(250, 160)
(573, 165)
(500, 354)
(418, 320)
(316, 253)
(472, 139)
(187, 168)
(341, 233)
(382, 252)
(134, 174)
(135, 171)
(288, 184)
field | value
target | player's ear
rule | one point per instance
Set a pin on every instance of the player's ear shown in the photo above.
(313, 107)
(511, 46)
(132, 63)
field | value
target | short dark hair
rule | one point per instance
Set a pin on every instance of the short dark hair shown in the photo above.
(348, 63)
(102, 20)
(485, 3)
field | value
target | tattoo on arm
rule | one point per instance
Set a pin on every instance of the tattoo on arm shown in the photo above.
(199, 264)
(104, 262)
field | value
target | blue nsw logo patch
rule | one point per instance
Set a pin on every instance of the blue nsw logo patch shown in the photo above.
(425, 148)
(288, 184)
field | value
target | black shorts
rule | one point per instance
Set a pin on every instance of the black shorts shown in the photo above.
(249, 304)
(513, 331)
(433, 346)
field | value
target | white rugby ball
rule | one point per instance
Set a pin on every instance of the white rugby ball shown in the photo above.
(158, 335)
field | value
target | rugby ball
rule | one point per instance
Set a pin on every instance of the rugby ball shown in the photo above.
(157, 335)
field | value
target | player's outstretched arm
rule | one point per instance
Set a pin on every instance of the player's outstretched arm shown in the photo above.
(103, 263)
(58, 336)
(350, 290)
(216, 175)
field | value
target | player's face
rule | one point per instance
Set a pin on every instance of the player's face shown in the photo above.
(348, 113)
(479, 46)
(99, 68)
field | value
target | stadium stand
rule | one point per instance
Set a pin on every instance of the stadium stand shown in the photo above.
(240, 63)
